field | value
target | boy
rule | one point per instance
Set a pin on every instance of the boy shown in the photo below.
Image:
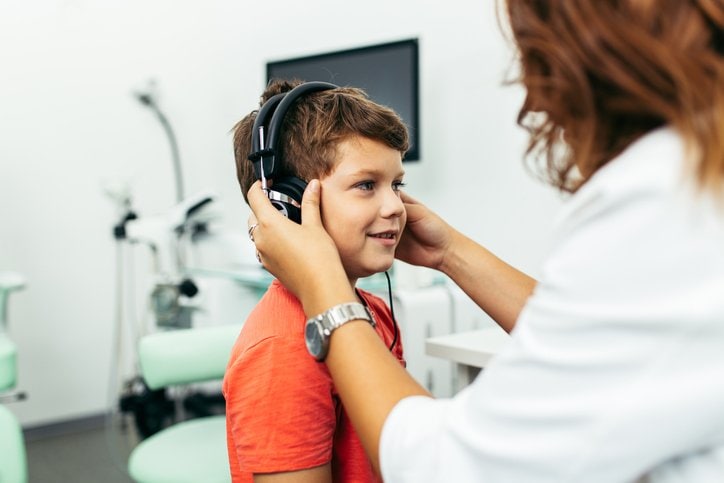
(285, 421)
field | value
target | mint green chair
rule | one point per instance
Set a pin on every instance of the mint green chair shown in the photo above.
(192, 451)
(13, 462)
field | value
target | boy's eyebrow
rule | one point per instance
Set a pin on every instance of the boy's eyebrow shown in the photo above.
(370, 172)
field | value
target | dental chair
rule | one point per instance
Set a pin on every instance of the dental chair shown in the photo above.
(192, 451)
(13, 464)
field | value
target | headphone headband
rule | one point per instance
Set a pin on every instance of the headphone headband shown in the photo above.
(264, 151)
(261, 118)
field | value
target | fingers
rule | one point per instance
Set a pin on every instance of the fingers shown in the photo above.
(251, 224)
(310, 204)
(251, 220)
(415, 210)
(261, 211)
(407, 199)
(250, 231)
(260, 204)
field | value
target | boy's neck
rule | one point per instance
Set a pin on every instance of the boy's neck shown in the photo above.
(353, 284)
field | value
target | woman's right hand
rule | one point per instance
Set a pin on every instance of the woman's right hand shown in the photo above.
(426, 238)
(303, 257)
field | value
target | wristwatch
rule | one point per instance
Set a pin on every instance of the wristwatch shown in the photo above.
(318, 329)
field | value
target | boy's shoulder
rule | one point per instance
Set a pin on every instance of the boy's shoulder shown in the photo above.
(371, 298)
(378, 306)
(277, 314)
(277, 299)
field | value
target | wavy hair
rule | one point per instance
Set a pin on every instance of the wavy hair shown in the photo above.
(599, 74)
(313, 128)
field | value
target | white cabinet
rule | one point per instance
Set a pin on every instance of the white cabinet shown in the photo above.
(423, 313)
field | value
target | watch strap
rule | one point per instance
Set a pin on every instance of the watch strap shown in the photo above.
(339, 315)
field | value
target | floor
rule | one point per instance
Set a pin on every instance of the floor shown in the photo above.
(91, 454)
(96, 449)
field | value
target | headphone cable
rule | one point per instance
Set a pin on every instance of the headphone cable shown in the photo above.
(392, 311)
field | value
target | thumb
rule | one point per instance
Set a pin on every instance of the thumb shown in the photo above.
(310, 204)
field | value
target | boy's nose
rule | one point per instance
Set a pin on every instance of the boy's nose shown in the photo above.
(392, 205)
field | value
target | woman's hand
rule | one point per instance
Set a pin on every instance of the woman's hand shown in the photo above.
(426, 238)
(303, 257)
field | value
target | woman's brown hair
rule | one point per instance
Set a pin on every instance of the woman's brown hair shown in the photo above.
(600, 74)
(313, 128)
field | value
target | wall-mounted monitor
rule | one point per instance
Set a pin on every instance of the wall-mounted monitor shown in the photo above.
(387, 72)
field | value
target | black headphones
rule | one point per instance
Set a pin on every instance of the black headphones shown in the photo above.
(286, 194)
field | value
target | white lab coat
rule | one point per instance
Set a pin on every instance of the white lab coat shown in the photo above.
(615, 370)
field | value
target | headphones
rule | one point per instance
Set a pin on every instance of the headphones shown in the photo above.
(286, 194)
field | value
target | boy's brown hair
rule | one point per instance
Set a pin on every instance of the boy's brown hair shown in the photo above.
(313, 128)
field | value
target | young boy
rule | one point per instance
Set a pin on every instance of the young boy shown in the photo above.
(284, 418)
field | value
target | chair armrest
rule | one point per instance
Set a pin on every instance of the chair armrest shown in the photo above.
(186, 356)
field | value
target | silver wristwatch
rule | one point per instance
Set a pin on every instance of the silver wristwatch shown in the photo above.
(318, 329)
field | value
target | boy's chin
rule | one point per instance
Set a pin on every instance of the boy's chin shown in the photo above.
(379, 270)
(373, 270)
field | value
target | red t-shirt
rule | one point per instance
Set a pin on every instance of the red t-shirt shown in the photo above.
(283, 412)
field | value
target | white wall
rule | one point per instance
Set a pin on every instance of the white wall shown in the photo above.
(68, 123)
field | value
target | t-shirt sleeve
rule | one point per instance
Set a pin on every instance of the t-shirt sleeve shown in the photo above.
(280, 408)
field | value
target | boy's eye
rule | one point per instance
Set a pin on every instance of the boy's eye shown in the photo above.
(370, 185)
(365, 185)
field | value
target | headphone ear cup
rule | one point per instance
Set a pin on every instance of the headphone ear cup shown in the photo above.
(292, 189)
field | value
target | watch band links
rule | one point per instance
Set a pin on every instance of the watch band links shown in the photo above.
(343, 313)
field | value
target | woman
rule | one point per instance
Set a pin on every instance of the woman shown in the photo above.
(614, 368)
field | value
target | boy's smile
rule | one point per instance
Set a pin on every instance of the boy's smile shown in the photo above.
(361, 206)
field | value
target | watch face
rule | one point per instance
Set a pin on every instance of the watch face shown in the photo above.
(313, 338)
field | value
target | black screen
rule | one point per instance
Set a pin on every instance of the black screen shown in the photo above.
(387, 72)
